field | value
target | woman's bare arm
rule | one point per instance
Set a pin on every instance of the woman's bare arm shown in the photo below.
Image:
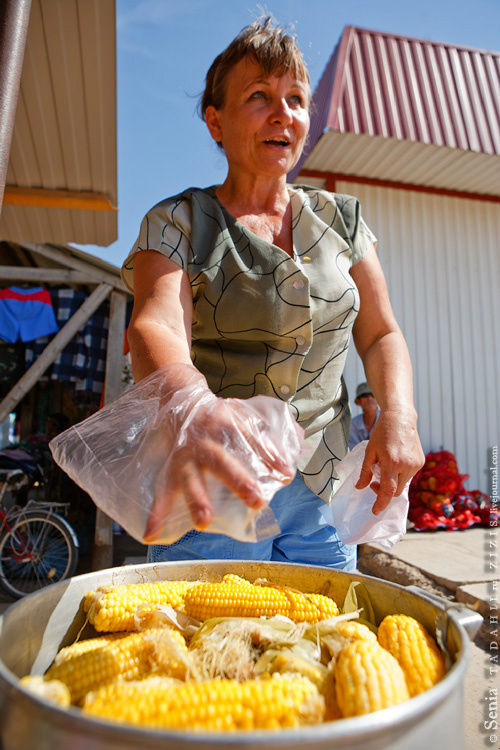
(394, 443)
(160, 328)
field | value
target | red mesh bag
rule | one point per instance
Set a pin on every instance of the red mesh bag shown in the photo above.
(441, 458)
(439, 500)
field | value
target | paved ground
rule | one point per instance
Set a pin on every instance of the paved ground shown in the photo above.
(459, 566)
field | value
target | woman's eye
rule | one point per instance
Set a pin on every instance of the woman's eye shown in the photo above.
(258, 95)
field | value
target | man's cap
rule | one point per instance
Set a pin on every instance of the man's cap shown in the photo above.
(363, 389)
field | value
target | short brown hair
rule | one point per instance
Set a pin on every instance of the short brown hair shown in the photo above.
(271, 47)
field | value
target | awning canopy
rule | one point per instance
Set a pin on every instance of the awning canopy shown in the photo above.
(62, 175)
(407, 110)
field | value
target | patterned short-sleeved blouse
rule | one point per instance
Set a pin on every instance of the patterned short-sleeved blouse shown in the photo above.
(267, 323)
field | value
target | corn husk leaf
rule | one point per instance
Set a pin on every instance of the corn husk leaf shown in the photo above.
(266, 630)
(290, 663)
(231, 646)
(163, 615)
(166, 655)
(304, 650)
(358, 600)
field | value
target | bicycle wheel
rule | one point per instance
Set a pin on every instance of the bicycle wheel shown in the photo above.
(41, 549)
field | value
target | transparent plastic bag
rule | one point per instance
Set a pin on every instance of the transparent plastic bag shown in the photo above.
(122, 456)
(351, 509)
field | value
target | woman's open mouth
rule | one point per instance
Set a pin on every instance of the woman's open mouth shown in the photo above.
(277, 142)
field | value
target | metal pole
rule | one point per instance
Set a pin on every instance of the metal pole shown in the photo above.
(14, 19)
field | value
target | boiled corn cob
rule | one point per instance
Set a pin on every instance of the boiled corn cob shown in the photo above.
(82, 647)
(90, 664)
(367, 678)
(416, 651)
(52, 691)
(206, 600)
(112, 608)
(220, 705)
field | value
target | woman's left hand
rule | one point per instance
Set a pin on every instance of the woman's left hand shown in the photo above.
(394, 445)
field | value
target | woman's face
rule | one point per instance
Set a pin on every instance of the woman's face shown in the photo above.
(264, 121)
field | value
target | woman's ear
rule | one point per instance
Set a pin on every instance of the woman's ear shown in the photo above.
(213, 123)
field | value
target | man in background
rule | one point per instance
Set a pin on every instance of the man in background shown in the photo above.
(363, 424)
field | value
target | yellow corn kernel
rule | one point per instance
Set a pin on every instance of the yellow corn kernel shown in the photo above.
(88, 665)
(206, 600)
(367, 678)
(52, 691)
(232, 578)
(416, 651)
(218, 705)
(112, 608)
(326, 606)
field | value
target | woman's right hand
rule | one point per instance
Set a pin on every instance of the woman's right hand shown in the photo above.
(216, 436)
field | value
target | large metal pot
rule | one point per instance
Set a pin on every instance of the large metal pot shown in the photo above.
(34, 629)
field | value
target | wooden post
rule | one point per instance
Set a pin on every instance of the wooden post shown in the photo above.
(53, 348)
(102, 553)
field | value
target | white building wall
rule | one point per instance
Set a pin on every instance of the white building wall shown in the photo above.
(441, 257)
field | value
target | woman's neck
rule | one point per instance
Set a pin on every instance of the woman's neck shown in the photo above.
(246, 195)
(262, 207)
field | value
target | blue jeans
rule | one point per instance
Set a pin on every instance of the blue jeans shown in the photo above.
(305, 538)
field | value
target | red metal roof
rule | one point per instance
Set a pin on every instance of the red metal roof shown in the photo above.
(410, 89)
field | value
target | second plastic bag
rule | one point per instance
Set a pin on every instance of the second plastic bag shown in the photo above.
(125, 455)
(350, 509)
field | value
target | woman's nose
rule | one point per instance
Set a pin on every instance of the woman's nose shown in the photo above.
(281, 111)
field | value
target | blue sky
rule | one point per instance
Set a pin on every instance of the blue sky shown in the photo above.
(164, 48)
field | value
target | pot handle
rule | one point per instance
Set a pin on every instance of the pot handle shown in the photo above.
(470, 620)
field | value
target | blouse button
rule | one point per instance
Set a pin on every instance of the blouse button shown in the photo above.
(300, 340)
(298, 284)
(285, 389)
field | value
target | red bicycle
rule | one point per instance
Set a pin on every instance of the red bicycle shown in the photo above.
(37, 545)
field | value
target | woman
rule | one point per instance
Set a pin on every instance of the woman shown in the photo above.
(257, 284)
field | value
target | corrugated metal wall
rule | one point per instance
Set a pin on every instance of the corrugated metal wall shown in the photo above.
(65, 127)
(441, 258)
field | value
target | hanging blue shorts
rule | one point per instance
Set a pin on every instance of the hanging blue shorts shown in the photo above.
(305, 538)
(26, 314)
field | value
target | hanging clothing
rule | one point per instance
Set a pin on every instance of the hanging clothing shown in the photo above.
(82, 362)
(26, 314)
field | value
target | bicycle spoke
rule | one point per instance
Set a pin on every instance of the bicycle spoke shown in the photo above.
(43, 530)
